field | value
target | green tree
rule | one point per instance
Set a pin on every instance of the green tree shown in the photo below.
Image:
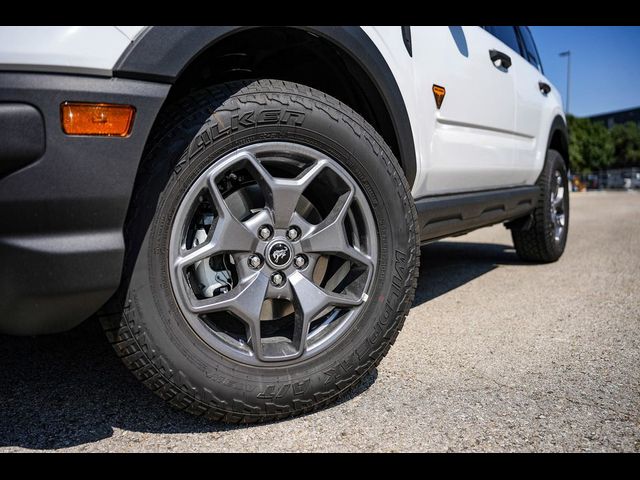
(577, 133)
(590, 145)
(626, 142)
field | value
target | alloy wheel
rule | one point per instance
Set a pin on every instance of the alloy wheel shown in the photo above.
(273, 252)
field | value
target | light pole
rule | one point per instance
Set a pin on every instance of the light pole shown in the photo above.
(568, 55)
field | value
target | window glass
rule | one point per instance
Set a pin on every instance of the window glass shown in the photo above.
(507, 35)
(531, 53)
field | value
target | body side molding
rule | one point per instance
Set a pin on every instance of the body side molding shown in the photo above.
(444, 215)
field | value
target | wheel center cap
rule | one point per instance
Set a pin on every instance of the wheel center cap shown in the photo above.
(279, 254)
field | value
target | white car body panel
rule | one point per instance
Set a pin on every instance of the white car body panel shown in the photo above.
(393, 50)
(468, 148)
(534, 114)
(73, 49)
(490, 132)
(493, 126)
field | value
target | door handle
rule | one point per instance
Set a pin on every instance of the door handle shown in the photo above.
(544, 87)
(497, 56)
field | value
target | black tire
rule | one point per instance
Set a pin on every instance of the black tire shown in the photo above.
(536, 241)
(145, 325)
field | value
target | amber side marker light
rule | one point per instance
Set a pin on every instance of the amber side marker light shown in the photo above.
(438, 93)
(105, 119)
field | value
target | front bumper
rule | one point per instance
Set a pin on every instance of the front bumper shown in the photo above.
(64, 199)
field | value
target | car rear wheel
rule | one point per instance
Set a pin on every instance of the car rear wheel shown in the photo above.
(543, 238)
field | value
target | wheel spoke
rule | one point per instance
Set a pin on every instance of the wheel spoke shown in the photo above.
(202, 251)
(559, 198)
(329, 236)
(261, 218)
(282, 194)
(245, 301)
(230, 235)
(309, 300)
(560, 220)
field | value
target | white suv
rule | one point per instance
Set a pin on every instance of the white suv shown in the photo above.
(244, 206)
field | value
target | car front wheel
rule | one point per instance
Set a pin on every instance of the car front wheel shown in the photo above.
(272, 253)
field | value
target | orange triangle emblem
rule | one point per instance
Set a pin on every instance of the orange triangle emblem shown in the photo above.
(438, 93)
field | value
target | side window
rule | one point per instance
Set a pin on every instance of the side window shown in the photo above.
(507, 34)
(531, 53)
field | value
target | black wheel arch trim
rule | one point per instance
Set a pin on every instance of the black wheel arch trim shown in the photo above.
(161, 53)
(558, 125)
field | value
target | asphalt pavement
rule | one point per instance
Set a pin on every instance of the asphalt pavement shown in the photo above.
(496, 355)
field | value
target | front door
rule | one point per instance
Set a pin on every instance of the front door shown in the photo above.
(474, 133)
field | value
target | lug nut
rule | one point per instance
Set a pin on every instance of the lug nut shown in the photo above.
(292, 233)
(300, 261)
(264, 232)
(255, 261)
(277, 279)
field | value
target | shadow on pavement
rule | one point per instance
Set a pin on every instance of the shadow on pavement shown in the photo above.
(70, 389)
(445, 266)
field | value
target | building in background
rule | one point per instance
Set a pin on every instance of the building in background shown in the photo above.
(621, 116)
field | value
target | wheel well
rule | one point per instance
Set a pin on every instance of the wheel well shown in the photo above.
(560, 143)
(295, 55)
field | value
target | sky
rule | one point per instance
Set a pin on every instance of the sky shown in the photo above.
(605, 66)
